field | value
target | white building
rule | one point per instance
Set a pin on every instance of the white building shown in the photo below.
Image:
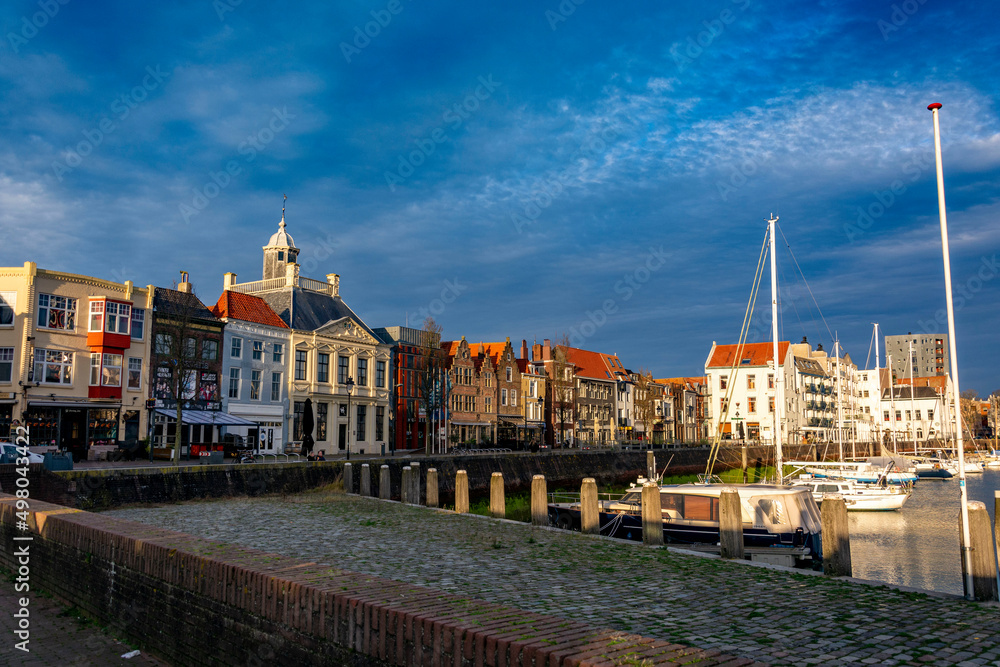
(742, 383)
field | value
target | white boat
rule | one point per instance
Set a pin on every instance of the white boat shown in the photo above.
(858, 496)
(894, 469)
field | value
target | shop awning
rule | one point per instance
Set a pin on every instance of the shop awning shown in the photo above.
(510, 419)
(210, 417)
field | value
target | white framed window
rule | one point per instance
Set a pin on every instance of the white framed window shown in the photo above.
(513, 397)
(111, 370)
(279, 353)
(53, 367)
(8, 301)
(236, 351)
(118, 316)
(96, 316)
(510, 374)
(234, 383)
(380, 374)
(275, 387)
(6, 364)
(95, 368)
(503, 397)
(258, 350)
(255, 379)
(138, 323)
(135, 373)
(56, 312)
(362, 375)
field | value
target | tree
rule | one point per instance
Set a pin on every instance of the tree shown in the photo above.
(561, 387)
(430, 367)
(647, 395)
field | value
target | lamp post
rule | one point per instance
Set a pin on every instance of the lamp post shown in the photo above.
(350, 388)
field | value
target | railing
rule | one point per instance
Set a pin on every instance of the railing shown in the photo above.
(316, 285)
(259, 285)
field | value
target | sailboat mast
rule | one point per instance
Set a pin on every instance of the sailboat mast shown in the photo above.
(878, 374)
(892, 402)
(959, 444)
(913, 412)
(778, 376)
(840, 414)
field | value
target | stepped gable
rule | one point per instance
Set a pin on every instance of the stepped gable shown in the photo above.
(246, 308)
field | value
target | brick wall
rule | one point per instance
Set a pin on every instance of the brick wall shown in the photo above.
(196, 602)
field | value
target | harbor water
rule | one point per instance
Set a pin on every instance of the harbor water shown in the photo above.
(919, 545)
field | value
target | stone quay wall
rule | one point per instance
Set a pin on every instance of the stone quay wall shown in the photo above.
(193, 601)
(97, 489)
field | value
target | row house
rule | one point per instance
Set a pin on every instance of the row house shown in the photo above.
(597, 378)
(334, 360)
(510, 416)
(559, 400)
(688, 407)
(743, 383)
(533, 389)
(73, 354)
(472, 400)
(409, 350)
(914, 413)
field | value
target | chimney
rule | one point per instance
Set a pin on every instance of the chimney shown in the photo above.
(546, 349)
(228, 280)
(334, 280)
(536, 352)
(524, 349)
(291, 275)
(184, 285)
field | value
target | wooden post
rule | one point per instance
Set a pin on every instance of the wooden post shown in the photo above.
(461, 492)
(432, 487)
(836, 536)
(348, 478)
(404, 485)
(385, 484)
(366, 480)
(744, 448)
(415, 483)
(730, 524)
(498, 505)
(984, 559)
(590, 519)
(652, 515)
(539, 501)
(650, 465)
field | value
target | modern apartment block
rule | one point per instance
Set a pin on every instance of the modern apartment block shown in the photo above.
(919, 355)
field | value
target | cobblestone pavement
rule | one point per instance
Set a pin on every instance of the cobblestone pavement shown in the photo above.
(59, 637)
(767, 614)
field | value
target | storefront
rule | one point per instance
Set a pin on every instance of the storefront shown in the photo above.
(73, 427)
(201, 430)
(7, 401)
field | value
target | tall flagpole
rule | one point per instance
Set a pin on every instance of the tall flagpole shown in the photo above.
(959, 444)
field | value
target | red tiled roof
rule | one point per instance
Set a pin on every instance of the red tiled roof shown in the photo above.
(595, 365)
(759, 354)
(936, 381)
(246, 308)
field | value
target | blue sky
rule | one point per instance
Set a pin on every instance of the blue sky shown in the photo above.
(528, 170)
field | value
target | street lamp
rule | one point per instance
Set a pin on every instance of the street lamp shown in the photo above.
(350, 388)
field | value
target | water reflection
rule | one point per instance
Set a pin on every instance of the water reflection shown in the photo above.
(919, 545)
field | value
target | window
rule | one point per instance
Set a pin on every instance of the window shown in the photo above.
(138, 323)
(753, 404)
(7, 302)
(489, 379)
(917, 414)
(723, 404)
(380, 376)
(323, 367)
(885, 415)
(321, 412)
(111, 373)
(299, 410)
(258, 350)
(96, 316)
(510, 374)
(908, 417)
(255, 380)
(380, 420)
(209, 349)
(770, 380)
(342, 370)
(234, 383)
(236, 351)
(190, 348)
(513, 396)
(275, 387)
(278, 354)
(301, 359)
(899, 415)
(503, 397)
(488, 400)
(53, 367)
(751, 382)
(56, 312)
(362, 414)
(930, 415)
(95, 369)
(135, 373)
(164, 342)
(6, 363)
(118, 317)
(723, 380)
(362, 376)
(866, 393)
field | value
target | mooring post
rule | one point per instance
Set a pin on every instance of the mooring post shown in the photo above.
(404, 485)
(415, 483)
(384, 483)
(590, 519)
(539, 501)
(432, 487)
(650, 465)
(498, 505)
(652, 515)
(730, 524)
(366, 480)
(836, 536)
(348, 478)
(984, 559)
(461, 492)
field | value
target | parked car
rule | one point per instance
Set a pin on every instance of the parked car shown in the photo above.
(9, 453)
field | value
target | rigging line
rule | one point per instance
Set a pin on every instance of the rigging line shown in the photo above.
(820, 310)
(869, 357)
(791, 302)
(723, 413)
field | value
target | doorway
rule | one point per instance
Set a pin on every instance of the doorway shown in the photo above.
(342, 436)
